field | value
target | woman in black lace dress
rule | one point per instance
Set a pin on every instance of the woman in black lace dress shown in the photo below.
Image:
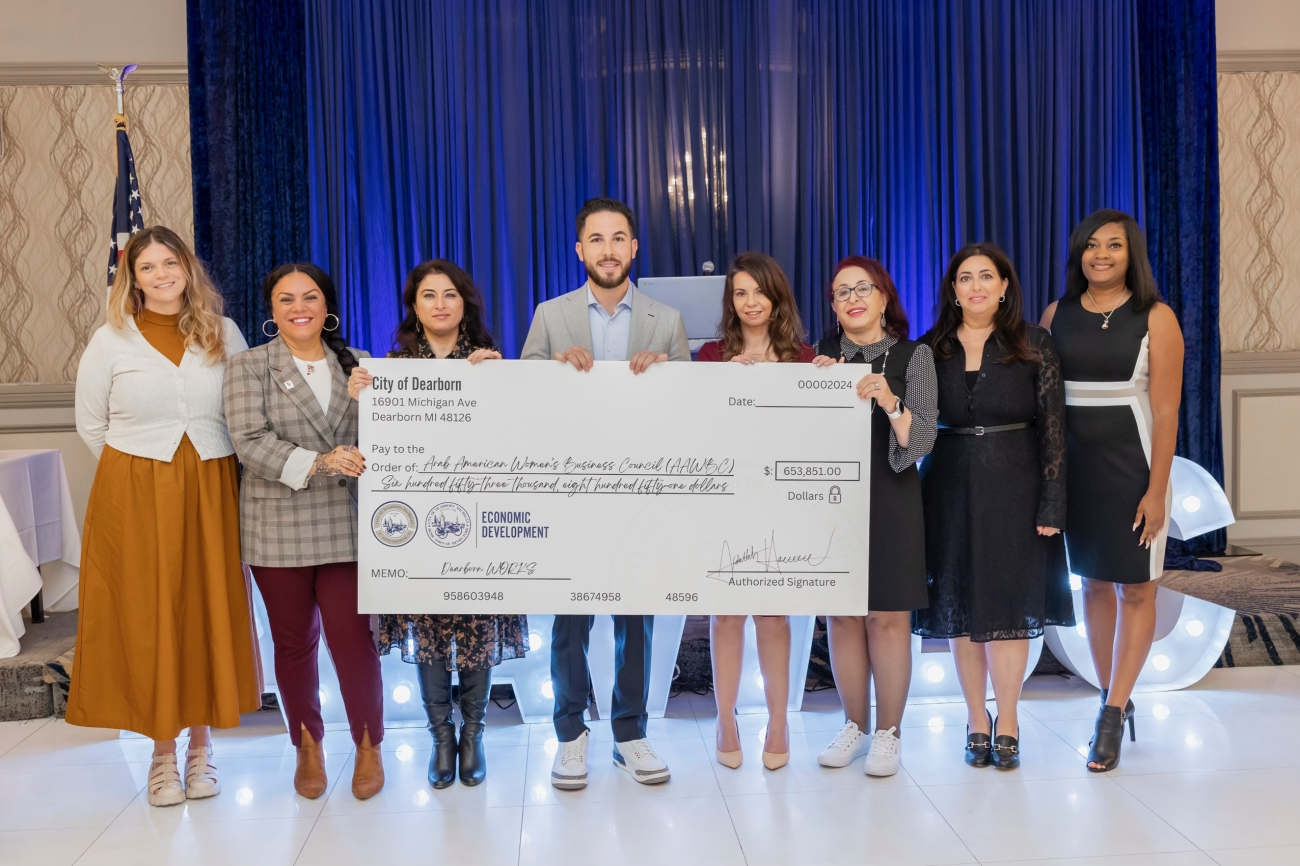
(994, 493)
(444, 320)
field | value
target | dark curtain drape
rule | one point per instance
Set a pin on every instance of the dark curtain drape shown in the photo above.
(1180, 137)
(248, 140)
(810, 129)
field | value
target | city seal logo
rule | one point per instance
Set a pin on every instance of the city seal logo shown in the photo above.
(394, 523)
(447, 524)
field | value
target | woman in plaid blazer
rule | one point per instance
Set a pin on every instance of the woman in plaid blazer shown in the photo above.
(294, 428)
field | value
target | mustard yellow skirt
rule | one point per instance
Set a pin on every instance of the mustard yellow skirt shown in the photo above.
(164, 639)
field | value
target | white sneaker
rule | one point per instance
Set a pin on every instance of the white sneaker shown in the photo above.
(639, 759)
(849, 745)
(569, 771)
(885, 755)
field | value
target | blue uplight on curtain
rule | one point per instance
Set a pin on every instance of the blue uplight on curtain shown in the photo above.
(248, 145)
(1180, 126)
(810, 129)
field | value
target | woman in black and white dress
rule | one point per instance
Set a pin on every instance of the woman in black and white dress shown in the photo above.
(878, 647)
(1121, 355)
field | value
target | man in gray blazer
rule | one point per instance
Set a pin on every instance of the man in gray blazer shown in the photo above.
(605, 320)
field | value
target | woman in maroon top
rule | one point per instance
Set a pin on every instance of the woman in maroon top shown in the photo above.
(760, 322)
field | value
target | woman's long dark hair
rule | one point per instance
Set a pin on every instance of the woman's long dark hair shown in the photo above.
(1140, 279)
(333, 339)
(784, 330)
(410, 331)
(895, 316)
(1008, 322)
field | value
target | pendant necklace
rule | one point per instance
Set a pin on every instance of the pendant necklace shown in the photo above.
(1105, 315)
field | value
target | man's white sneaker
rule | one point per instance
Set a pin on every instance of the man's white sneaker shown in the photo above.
(849, 745)
(639, 759)
(885, 755)
(569, 770)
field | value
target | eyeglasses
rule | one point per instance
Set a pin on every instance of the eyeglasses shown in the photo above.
(862, 290)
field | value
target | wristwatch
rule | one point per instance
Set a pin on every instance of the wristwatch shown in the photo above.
(898, 410)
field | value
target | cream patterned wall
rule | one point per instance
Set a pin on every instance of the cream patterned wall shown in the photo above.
(1259, 176)
(57, 167)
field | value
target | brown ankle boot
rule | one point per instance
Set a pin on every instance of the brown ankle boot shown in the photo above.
(309, 779)
(368, 769)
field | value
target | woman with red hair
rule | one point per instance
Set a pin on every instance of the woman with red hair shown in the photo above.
(904, 425)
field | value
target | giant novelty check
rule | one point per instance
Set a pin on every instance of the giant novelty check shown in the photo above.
(531, 487)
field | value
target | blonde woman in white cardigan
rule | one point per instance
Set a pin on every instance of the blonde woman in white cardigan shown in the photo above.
(163, 638)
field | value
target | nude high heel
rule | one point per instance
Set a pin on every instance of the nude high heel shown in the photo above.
(368, 769)
(309, 778)
(729, 759)
(777, 760)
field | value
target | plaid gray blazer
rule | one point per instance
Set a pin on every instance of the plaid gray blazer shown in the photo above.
(270, 411)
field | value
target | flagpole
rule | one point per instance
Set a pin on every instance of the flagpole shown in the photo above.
(126, 197)
(118, 77)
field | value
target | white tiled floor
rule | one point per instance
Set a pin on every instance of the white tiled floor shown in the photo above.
(1211, 781)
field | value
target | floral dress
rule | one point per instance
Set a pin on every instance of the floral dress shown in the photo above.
(457, 641)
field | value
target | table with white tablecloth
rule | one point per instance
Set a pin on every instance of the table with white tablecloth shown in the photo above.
(40, 547)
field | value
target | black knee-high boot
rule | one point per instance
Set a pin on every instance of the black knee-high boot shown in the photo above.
(474, 689)
(435, 690)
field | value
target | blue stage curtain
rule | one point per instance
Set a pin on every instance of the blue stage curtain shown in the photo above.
(810, 129)
(248, 140)
(1180, 137)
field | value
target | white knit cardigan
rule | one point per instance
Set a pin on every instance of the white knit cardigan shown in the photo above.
(131, 397)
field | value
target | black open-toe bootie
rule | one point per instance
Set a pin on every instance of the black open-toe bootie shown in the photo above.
(979, 746)
(1106, 739)
(435, 690)
(475, 686)
(1129, 712)
(1006, 750)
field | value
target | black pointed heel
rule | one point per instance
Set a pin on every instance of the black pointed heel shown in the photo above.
(1107, 739)
(979, 746)
(1006, 750)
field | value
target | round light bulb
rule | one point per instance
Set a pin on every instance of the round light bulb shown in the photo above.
(1076, 583)
(1160, 663)
(1191, 503)
(1082, 629)
(935, 724)
(405, 752)
(323, 695)
(244, 796)
(1160, 711)
(933, 673)
(551, 746)
(420, 798)
(534, 641)
(401, 694)
(758, 680)
(548, 691)
(1194, 627)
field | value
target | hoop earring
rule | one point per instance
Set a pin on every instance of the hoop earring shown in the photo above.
(1002, 300)
(271, 322)
(957, 302)
(336, 322)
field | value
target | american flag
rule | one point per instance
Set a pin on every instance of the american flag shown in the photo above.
(127, 217)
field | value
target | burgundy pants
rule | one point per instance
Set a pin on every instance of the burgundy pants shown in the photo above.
(298, 602)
